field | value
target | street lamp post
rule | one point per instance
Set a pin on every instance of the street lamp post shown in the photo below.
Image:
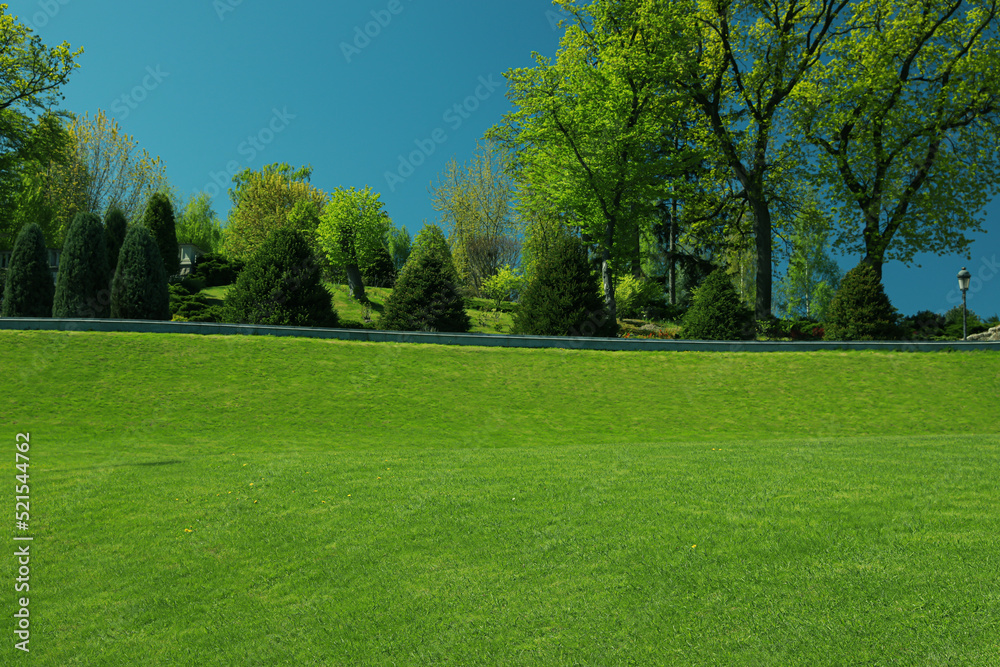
(963, 284)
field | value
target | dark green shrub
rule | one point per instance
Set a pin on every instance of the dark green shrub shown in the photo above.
(860, 310)
(425, 298)
(925, 325)
(563, 297)
(28, 287)
(281, 286)
(379, 271)
(215, 270)
(159, 220)
(953, 324)
(83, 285)
(115, 228)
(139, 289)
(716, 312)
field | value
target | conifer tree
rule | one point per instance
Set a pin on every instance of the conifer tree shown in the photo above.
(84, 280)
(425, 298)
(716, 312)
(860, 310)
(115, 227)
(28, 289)
(159, 219)
(139, 289)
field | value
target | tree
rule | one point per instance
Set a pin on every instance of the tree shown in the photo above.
(112, 168)
(28, 288)
(425, 298)
(84, 278)
(812, 276)
(503, 284)
(477, 206)
(716, 312)
(904, 108)
(400, 244)
(115, 229)
(587, 129)
(352, 233)
(139, 288)
(159, 220)
(30, 73)
(431, 241)
(562, 298)
(860, 310)
(199, 225)
(263, 202)
(281, 285)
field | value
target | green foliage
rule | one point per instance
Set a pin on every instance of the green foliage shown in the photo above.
(115, 228)
(503, 285)
(28, 287)
(813, 276)
(139, 289)
(860, 310)
(352, 232)
(188, 306)
(400, 245)
(379, 271)
(159, 220)
(199, 225)
(425, 298)
(563, 297)
(84, 280)
(716, 312)
(637, 296)
(431, 241)
(281, 286)
(953, 324)
(215, 269)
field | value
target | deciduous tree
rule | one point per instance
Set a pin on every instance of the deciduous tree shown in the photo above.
(352, 232)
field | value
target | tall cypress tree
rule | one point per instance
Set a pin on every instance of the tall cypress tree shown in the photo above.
(139, 289)
(29, 289)
(115, 227)
(84, 280)
(159, 219)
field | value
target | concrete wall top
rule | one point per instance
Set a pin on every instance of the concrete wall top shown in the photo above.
(482, 340)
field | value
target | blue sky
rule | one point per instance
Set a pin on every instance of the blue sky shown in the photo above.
(214, 86)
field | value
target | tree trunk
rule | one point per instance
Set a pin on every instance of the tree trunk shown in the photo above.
(762, 231)
(672, 245)
(356, 284)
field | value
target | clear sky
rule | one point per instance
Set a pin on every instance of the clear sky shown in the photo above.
(357, 89)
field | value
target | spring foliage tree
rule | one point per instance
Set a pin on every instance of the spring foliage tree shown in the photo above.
(139, 287)
(563, 298)
(281, 285)
(199, 225)
(84, 279)
(28, 289)
(860, 310)
(425, 298)
(352, 232)
(159, 220)
(812, 276)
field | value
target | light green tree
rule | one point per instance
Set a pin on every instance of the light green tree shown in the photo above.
(813, 276)
(904, 108)
(352, 232)
(199, 225)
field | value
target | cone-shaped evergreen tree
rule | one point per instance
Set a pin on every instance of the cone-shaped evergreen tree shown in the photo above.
(159, 219)
(432, 240)
(379, 271)
(860, 310)
(563, 297)
(281, 286)
(29, 289)
(716, 312)
(115, 227)
(139, 289)
(84, 280)
(425, 298)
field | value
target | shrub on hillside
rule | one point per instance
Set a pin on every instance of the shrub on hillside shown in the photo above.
(281, 286)
(159, 219)
(635, 296)
(860, 310)
(925, 325)
(139, 289)
(716, 312)
(379, 271)
(115, 228)
(563, 298)
(28, 287)
(83, 285)
(215, 269)
(425, 298)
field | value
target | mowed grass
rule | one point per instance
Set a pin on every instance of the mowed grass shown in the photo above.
(212, 500)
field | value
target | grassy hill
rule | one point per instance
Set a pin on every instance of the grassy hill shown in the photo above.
(219, 500)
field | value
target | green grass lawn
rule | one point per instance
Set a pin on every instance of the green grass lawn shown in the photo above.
(213, 500)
